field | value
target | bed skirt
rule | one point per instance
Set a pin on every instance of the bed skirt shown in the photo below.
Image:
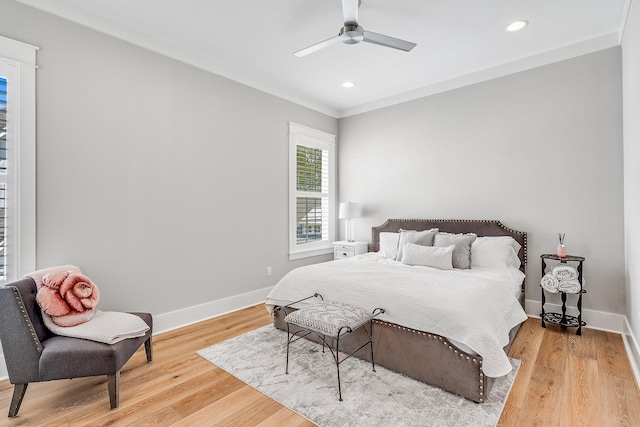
(424, 356)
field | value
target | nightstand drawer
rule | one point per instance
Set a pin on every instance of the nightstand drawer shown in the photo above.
(344, 249)
(343, 252)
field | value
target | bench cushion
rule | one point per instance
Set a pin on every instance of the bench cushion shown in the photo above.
(329, 317)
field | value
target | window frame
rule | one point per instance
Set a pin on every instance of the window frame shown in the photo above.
(18, 65)
(309, 137)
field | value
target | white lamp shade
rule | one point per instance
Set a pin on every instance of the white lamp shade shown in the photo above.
(350, 210)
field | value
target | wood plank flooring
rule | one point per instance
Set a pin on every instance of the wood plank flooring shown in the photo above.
(564, 380)
(569, 380)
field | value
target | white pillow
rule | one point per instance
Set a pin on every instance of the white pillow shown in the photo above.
(428, 256)
(516, 246)
(389, 244)
(424, 238)
(495, 252)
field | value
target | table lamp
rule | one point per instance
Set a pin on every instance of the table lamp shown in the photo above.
(348, 211)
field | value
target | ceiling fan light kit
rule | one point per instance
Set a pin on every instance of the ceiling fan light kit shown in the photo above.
(353, 33)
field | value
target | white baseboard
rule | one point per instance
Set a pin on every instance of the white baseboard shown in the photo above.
(601, 320)
(197, 313)
(633, 349)
(190, 315)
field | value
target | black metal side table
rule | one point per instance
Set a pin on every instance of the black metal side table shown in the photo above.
(563, 319)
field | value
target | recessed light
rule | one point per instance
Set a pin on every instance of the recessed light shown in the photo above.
(517, 26)
(348, 84)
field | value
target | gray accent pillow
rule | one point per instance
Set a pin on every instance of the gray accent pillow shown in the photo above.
(422, 238)
(462, 251)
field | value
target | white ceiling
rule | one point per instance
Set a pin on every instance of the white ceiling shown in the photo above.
(252, 41)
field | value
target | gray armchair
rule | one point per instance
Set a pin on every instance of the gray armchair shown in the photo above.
(33, 353)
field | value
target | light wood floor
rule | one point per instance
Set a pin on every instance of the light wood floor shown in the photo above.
(564, 380)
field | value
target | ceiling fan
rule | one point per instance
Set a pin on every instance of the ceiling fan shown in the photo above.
(353, 33)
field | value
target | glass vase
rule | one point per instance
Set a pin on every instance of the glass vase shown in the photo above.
(562, 251)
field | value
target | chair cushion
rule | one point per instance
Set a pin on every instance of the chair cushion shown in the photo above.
(329, 317)
(65, 357)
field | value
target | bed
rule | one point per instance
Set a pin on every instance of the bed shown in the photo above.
(459, 342)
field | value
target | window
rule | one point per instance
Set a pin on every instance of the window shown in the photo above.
(311, 191)
(3, 173)
(17, 159)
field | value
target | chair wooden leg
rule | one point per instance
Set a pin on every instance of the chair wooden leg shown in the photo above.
(148, 349)
(114, 389)
(18, 393)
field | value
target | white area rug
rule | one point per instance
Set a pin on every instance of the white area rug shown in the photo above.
(382, 398)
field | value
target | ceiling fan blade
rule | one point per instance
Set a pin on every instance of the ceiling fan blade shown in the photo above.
(315, 47)
(350, 11)
(388, 41)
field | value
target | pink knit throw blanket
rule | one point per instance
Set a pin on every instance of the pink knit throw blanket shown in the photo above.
(68, 297)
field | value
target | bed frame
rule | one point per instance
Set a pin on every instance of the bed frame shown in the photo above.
(425, 356)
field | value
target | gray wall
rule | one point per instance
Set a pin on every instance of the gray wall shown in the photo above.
(166, 184)
(631, 96)
(540, 150)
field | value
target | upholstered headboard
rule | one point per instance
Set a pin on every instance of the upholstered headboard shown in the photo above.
(480, 227)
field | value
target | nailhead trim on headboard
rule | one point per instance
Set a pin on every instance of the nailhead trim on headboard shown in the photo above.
(376, 230)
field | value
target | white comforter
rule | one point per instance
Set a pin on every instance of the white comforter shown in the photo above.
(476, 307)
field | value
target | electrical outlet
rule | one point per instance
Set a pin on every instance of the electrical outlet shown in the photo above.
(269, 271)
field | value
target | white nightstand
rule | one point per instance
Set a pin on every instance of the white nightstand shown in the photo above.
(344, 249)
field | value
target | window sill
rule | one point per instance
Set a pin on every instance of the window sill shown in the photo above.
(310, 253)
